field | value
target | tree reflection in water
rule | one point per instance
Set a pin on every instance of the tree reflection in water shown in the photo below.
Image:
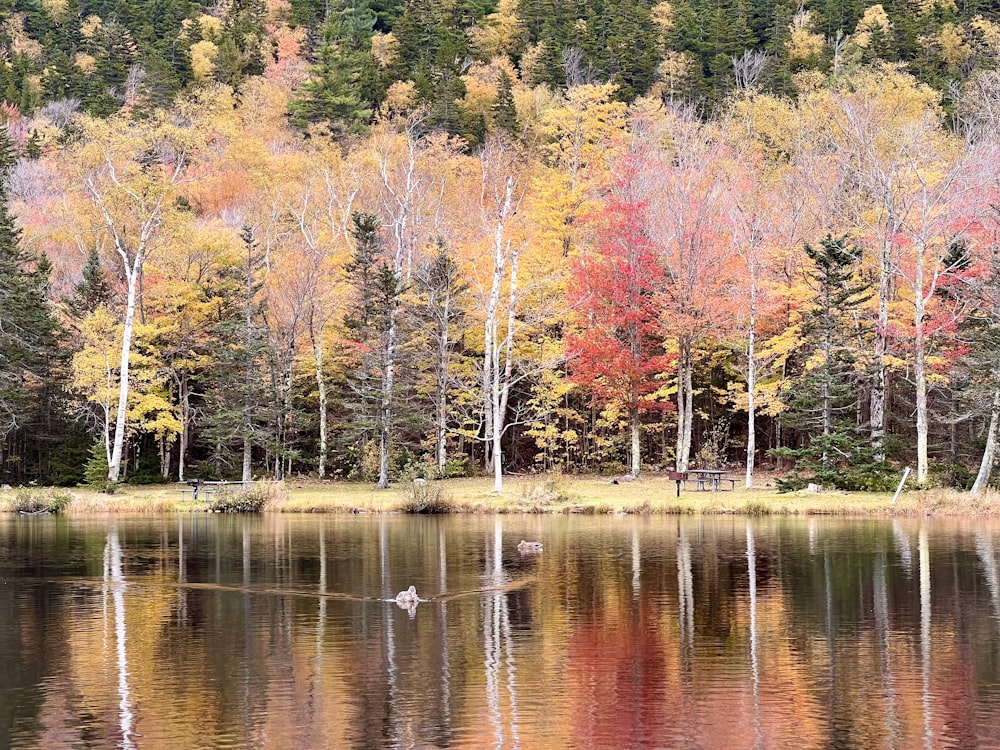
(640, 632)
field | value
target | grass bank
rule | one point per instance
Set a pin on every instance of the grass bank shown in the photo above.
(535, 494)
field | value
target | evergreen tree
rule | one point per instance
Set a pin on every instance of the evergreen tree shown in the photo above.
(341, 80)
(243, 47)
(504, 111)
(237, 401)
(831, 334)
(91, 291)
(432, 47)
(825, 404)
(373, 327)
(28, 330)
(443, 320)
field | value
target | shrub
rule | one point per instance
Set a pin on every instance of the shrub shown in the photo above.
(423, 497)
(39, 501)
(251, 499)
(843, 460)
(756, 508)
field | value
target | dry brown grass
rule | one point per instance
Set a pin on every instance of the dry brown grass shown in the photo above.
(549, 494)
(654, 494)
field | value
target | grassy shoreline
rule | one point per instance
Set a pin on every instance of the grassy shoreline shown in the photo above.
(533, 494)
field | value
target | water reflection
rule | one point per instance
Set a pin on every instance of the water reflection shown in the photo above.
(213, 632)
(114, 584)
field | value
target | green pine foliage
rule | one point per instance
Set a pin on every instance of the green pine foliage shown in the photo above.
(836, 450)
(95, 471)
(339, 91)
(140, 51)
(855, 469)
(237, 402)
(28, 330)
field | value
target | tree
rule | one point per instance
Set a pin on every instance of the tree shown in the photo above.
(237, 401)
(28, 331)
(911, 187)
(442, 289)
(319, 204)
(504, 111)
(373, 325)
(685, 219)
(338, 91)
(980, 332)
(131, 173)
(501, 190)
(613, 292)
(825, 391)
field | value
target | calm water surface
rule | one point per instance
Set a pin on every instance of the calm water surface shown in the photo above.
(208, 631)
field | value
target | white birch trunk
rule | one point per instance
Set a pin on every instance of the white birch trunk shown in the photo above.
(877, 409)
(685, 406)
(132, 274)
(920, 376)
(184, 397)
(920, 367)
(990, 451)
(321, 387)
(388, 383)
(496, 396)
(751, 390)
(444, 335)
(636, 459)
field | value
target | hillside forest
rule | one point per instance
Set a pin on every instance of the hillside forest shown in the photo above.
(382, 239)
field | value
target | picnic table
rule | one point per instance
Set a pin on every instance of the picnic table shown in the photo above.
(710, 479)
(702, 479)
(203, 487)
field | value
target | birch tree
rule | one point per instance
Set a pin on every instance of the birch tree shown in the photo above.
(131, 172)
(905, 186)
(685, 220)
(318, 204)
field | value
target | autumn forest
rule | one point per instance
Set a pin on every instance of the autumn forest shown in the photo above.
(380, 240)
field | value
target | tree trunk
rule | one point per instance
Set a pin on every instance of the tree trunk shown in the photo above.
(494, 395)
(165, 456)
(488, 337)
(443, 342)
(321, 386)
(184, 397)
(990, 451)
(685, 405)
(920, 368)
(442, 407)
(247, 476)
(385, 410)
(633, 419)
(114, 465)
(751, 391)
(877, 412)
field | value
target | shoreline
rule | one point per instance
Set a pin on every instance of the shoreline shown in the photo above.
(566, 494)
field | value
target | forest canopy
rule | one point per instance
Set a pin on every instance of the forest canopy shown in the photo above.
(379, 240)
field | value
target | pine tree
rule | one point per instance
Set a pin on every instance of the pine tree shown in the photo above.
(93, 289)
(828, 328)
(341, 79)
(373, 327)
(504, 111)
(237, 400)
(27, 326)
(443, 319)
(825, 402)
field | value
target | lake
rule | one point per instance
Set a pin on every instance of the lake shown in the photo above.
(281, 631)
